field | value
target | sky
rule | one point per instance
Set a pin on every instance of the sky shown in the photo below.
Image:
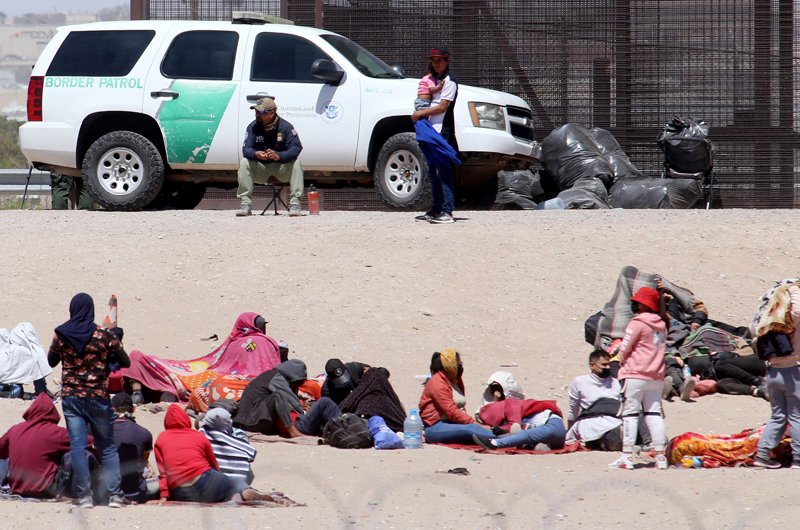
(15, 8)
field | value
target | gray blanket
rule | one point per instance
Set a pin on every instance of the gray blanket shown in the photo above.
(617, 312)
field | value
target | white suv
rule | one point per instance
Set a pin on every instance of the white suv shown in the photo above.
(147, 108)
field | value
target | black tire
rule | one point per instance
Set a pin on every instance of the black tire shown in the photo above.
(178, 196)
(401, 174)
(123, 171)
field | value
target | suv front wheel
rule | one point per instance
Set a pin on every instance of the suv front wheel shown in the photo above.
(401, 174)
(123, 170)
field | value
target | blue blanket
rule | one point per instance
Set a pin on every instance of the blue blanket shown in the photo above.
(433, 145)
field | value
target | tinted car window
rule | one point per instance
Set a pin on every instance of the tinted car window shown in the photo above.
(100, 53)
(288, 58)
(201, 55)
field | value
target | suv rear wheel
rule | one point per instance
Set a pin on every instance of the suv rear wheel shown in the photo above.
(401, 174)
(123, 170)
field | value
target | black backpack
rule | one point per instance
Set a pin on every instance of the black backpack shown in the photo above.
(348, 431)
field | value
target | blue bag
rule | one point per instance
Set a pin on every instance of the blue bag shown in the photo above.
(383, 435)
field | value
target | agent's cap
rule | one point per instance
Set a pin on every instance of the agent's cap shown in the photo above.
(337, 373)
(264, 105)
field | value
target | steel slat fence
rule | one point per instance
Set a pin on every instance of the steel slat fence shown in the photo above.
(625, 65)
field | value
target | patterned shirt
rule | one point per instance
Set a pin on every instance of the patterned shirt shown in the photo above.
(86, 375)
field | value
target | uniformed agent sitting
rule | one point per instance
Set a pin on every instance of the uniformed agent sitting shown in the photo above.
(270, 149)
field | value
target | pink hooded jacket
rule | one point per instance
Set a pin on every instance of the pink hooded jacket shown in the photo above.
(642, 349)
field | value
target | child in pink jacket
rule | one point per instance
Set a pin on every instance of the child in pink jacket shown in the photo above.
(642, 367)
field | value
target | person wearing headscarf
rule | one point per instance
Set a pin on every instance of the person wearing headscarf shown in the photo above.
(271, 147)
(270, 404)
(85, 352)
(443, 404)
(375, 396)
(231, 446)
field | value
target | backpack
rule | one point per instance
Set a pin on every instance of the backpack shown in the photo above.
(348, 431)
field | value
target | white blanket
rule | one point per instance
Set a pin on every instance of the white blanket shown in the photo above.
(22, 358)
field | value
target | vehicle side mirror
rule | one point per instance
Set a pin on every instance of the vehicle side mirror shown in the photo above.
(327, 70)
(399, 70)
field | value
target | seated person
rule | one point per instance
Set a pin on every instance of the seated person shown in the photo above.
(188, 469)
(22, 361)
(594, 407)
(231, 446)
(134, 444)
(376, 397)
(533, 424)
(442, 405)
(270, 403)
(34, 450)
(342, 379)
(501, 385)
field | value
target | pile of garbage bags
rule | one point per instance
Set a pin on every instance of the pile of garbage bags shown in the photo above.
(587, 169)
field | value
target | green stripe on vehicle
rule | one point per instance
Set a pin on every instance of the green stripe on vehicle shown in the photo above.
(190, 122)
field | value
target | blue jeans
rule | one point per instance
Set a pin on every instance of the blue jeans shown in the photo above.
(79, 413)
(212, 486)
(551, 433)
(312, 422)
(442, 189)
(784, 396)
(444, 432)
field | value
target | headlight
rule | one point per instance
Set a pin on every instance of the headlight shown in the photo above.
(487, 115)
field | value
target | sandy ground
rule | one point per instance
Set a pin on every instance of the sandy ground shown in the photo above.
(501, 287)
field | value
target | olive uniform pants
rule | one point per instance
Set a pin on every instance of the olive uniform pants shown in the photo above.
(61, 185)
(251, 171)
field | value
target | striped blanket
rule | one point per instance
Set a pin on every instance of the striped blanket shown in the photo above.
(617, 312)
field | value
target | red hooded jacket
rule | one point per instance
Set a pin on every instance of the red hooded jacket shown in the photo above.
(513, 410)
(181, 452)
(34, 448)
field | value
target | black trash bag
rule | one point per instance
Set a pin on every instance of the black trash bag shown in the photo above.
(683, 193)
(543, 186)
(641, 193)
(622, 165)
(514, 187)
(686, 146)
(570, 153)
(655, 193)
(586, 194)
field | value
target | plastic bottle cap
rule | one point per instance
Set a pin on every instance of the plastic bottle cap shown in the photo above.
(414, 411)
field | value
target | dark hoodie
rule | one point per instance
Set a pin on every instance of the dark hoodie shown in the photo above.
(34, 449)
(254, 412)
(181, 452)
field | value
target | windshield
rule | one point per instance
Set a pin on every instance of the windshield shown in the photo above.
(367, 64)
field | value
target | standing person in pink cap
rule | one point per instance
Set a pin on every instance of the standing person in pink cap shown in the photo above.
(642, 366)
(440, 115)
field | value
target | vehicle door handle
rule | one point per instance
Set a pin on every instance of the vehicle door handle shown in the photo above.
(164, 94)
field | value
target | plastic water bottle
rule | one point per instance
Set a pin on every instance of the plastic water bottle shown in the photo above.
(687, 373)
(412, 428)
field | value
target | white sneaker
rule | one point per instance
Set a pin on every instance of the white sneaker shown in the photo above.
(294, 210)
(623, 462)
(661, 462)
(688, 386)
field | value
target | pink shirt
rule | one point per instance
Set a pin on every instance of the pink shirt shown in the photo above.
(643, 347)
(425, 85)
